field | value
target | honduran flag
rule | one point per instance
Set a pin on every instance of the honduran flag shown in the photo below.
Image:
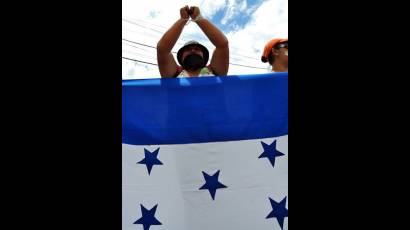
(207, 153)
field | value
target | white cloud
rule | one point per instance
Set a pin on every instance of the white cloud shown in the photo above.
(243, 6)
(209, 8)
(269, 20)
(165, 13)
(231, 11)
(266, 23)
(234, 8)
(132, 70)
(149, 20)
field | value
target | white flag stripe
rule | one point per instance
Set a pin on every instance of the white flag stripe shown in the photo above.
(174, 186)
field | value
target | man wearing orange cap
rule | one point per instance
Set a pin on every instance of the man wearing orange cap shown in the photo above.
(276, 52)
(193, 57)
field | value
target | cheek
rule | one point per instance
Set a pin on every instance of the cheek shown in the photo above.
(184, 55)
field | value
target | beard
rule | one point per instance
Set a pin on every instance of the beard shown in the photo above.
(193, 62)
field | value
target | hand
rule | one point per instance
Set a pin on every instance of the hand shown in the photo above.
(184, 12)
(194, 12)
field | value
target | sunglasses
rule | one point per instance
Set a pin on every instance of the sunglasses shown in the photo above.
(281, 45)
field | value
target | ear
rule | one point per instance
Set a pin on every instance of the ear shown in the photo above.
(275, 52)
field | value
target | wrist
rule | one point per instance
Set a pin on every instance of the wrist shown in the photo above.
(199, 17)
(183, 19)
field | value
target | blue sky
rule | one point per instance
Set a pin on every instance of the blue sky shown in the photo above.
(248, 25)
(239, 20)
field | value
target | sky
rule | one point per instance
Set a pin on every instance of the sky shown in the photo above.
(248, 25)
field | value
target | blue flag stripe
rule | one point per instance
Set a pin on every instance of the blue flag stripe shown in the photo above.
(206, 109)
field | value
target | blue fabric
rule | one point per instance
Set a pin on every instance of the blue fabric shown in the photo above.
(204, 109)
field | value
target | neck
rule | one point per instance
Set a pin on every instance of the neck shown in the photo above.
(279, 67)
(194, 73)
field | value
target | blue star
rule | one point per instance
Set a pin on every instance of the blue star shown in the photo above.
(150, 160)
(212, 183)
(279, 211)
(270, 152)
(148, 217)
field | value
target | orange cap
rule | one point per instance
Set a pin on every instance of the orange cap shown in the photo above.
(269, 46)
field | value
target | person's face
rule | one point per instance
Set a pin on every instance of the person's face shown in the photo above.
(281, 51)
(192, 50)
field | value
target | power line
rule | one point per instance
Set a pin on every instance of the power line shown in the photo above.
(186, 36)
(134, 23)
(139, 43)
(144, 45)
(181, 44)
(140, 54)
(172, 51)
(229, 63)
(180, 41)
(131, 19)
(175, 52)
(247, 66)
(140, 48)
(158, 31)
(139, 61)
(241, 55)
